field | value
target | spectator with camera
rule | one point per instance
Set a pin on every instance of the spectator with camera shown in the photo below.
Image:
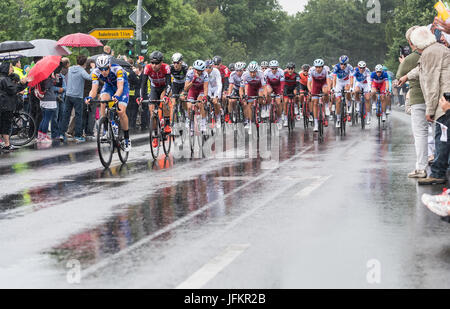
(418, 108)
(433, 72)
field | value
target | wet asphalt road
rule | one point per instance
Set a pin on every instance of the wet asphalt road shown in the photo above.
(338, 214)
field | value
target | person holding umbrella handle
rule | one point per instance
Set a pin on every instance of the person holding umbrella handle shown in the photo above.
(115, 87)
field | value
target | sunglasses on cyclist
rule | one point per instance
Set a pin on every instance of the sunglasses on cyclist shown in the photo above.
(154, 62)
(104, 69)
(176, 62)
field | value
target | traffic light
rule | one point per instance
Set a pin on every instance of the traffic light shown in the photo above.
(130, 48)
(144, 47)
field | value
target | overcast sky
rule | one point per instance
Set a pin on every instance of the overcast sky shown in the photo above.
(293, 6)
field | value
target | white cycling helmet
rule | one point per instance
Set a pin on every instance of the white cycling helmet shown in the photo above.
(103, 61)
(239, 66)
(362, 64)
(177, 57)
(319, 63)
(274, 64)
(379, 68)
(264, 64)
(199, 65)
(253, 67)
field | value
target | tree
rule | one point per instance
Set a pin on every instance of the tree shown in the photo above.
(10, 23)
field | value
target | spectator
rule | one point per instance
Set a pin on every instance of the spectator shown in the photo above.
(135, 83)
(108, 51)
(48, 106)
(89, 112)
(433, 72)
(74, 98)
(60, 91)
(10, 86)
(34, 104)
(417, 103)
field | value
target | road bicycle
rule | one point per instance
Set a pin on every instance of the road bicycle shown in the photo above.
(23, 129)
(157, 132)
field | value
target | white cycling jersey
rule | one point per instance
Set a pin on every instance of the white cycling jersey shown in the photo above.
(215, 84)
(274, 79)
(314, 75)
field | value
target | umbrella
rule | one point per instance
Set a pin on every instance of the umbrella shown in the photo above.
(10, 56)
(43, 69)
(44, 48)
(12, 46)
(120, 62)
(79, 40)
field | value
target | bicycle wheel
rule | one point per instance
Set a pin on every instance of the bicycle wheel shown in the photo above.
(154, 133)
(167, 142)
(123, 155)
(192, 130)
(105, 141)
(23, 129)
(305, 115)
(363, 115)
(291, 119)
(320, 121)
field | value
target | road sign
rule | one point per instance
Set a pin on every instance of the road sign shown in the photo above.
(145, 16)
(113, 34)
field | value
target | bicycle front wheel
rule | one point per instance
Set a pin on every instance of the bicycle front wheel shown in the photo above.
(123, 155)
(23, 129)
(105, 142)
(154, 136)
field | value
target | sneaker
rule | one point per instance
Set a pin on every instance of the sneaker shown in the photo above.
(80, 139)
(438, 204)
(46, 139)
(418, 174)
(40, 135)
(126, 145)
(338, 123)
(155, 142)
(62, 138)
(316, 127)
(167, 129)
(383, 118)
(432, 181)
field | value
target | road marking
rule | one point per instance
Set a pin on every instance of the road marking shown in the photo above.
(202, 276)
(103, 263)
(316, 184)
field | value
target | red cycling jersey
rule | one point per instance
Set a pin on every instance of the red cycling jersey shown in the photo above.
(291, 80)
(224, 72)
(157, 79)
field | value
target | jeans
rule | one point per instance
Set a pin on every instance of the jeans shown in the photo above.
(47, 115)
(420, 132)
(441, 157)
(56, 119)
(77, 104)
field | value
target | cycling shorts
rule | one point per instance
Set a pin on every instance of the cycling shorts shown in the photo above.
(317, 86)
(177, 88)
(195, 93)
(289, 90)
(340, 85)
(123, 99)
(155, 93)
(253, 92)
(304, 89)
(213, 93)
(363, 86)
(277, 89)
(380, 87)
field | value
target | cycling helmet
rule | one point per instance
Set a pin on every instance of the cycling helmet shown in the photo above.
(217, 60)
(319, 63)
(209, 63)
(232, 67)
(343, 59)
(199, 65)
(274, 64)
(239, 66)
(379, 68)
(362, 64)
(156, 56)
(177, 57)
(264, 64)
(290, 65)
(305, 67)
(253, 67)
(103, 61)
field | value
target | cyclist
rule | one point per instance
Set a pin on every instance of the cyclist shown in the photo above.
(291, 86)
(197, 84)
(214, 89)
(342, 79)
(318, 82)
(160, 86)
(380, 82)
(115, 88)
(274, 77)
(235, 84)
(231, 67)
(224, 71)
(304, 88)
(362, 83)
(264, 66)
(178, 70)
(252, 85)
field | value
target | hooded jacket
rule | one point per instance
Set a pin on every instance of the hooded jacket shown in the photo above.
(8, 89)
(75, 81)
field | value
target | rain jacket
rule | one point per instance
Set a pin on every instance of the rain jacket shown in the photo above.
(9, 87)
(433, 72)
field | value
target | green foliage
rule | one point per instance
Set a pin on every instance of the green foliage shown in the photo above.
(10, 23)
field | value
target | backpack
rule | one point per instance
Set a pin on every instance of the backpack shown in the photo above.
(38, 92)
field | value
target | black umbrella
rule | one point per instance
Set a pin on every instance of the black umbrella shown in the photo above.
(12, 46)
(120, 62)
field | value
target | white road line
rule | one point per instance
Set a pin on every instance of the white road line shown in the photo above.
(315, 185)
(92, 269)
(213, 267)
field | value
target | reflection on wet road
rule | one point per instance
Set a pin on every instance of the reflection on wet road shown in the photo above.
(154, 224)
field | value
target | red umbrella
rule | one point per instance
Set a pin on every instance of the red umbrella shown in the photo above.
(42, 70)
(79, 40)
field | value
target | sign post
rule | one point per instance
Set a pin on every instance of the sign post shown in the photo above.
(113, 33)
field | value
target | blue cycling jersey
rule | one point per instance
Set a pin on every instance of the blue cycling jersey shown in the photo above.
(379, 79)
(361, 77)
(343, 74)
(116, 74)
